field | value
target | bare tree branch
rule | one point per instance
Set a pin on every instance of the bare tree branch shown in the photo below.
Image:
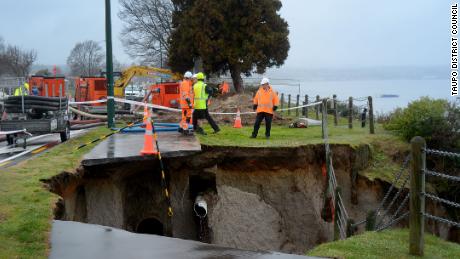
(86, 59)
(16, 61)
(147, 27)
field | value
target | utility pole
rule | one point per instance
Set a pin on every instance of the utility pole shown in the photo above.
(109, 68)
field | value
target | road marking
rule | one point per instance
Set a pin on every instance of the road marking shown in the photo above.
(20, 154)
(39, 150)
(28, 140)
(4, 163)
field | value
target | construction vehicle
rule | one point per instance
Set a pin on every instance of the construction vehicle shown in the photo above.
(166, 94)
(142, 71)
(95, 88)
(47, 86)
(91, 89)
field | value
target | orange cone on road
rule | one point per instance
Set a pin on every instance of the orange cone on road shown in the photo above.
(238, 120)
(149, 139)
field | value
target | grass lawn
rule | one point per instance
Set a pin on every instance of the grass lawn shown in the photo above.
(386, 244)
(283, 136)
(26, 207)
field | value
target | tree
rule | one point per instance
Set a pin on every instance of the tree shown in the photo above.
(19, 61)
(86, 59)
(3, 65)
(228, 35)
(147, 28)
(15, 61)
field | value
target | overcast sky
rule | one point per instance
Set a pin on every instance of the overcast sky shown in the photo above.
(353, 33)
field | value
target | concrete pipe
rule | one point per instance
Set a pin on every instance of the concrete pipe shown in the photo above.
(200, 207)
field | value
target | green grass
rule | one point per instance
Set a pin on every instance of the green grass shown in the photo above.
(26, 206)
(386, 244)
(283, 136)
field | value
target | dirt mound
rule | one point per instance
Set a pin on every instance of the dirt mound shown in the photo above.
(229, 103)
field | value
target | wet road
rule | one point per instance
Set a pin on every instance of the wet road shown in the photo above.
(126, 147)
(71, 240)
(10, 156)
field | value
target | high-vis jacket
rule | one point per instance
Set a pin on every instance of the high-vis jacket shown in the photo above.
(186, 92)
(266, 100)
(200, 96)
(19, 91)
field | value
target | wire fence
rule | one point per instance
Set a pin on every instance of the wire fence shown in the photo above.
(345, 113)
(445, 176)
(418, 213)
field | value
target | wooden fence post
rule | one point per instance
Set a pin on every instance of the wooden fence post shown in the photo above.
(297, 105)
(417, 199)
(289, 104)
(336, 114)
(282, 101)
(317, 108)
(350, 112)
(371, 116)
(324, 118)
(306, 108)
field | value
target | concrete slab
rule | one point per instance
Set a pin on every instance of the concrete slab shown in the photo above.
(127, 147)
(71, 240)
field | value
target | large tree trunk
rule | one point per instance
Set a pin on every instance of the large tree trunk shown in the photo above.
(235, 72)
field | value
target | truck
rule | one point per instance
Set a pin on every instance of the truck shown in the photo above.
(95, 88)
(33, 114)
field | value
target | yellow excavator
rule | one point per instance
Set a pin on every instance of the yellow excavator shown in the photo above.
(143, 71)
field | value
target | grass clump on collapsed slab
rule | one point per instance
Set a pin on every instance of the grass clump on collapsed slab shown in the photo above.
(386, 244)
(26, 207)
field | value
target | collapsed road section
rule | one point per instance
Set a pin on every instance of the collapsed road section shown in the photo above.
(245, 198)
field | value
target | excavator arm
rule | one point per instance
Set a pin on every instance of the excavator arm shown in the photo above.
(143, 71)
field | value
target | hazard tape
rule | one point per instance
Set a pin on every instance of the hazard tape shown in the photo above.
(301, 106)
(106, 136)
(286, 109)
(160, 107)
(88, 102)
(145, 104)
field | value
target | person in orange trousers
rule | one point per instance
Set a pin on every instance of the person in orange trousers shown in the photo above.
(186, 101)
(224, 88)
(265, 103)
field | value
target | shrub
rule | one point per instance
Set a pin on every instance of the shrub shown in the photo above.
(436, 120)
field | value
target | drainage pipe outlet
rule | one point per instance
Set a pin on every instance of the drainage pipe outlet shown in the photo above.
(200, 207)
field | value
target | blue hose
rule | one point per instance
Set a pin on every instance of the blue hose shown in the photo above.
(159, 127)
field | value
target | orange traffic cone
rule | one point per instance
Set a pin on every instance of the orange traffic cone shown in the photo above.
(238, 120)
(149, 145)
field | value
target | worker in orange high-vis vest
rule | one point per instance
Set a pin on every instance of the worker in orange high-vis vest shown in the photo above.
(265, 103)
(186, 100)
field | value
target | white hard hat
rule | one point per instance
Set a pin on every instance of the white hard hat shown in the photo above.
(188, 74)
(264, 81)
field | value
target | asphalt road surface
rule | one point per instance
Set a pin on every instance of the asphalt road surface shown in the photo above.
(35, 145)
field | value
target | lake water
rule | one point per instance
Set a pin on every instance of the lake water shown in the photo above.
(407, 90)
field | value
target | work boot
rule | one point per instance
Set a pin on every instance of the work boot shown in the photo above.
(216, 131)
(253, 136)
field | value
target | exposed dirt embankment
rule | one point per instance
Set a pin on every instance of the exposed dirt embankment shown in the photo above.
(258, 198)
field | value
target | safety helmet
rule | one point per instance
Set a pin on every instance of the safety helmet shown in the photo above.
(264, 81)
(188, 74)
(200, 76)
(26, 85)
